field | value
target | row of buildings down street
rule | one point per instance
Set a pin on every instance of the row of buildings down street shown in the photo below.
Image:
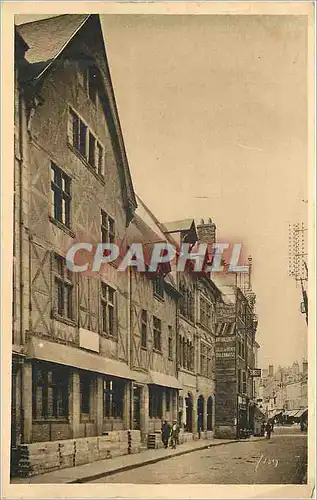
(99, 360)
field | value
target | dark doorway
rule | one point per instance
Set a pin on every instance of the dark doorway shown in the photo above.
(200, 413)
(209, 413)
(136, 408)
(189, 413)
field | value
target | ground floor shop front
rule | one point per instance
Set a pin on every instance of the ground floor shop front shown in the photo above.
(93, 409)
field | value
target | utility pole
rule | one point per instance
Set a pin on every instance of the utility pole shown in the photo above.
(297, 265)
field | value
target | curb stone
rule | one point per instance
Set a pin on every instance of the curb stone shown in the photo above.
(151, 461)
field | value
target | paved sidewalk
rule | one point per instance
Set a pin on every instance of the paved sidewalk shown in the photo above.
(102, 468)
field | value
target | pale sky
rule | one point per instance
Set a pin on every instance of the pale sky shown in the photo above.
(216, 106)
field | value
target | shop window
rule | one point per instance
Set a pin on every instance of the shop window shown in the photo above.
(168, 400)
(60, 195)
(157, 333)
(85, 393)
(85, 380)
(113, 401)
(155, 402)
(49, 391)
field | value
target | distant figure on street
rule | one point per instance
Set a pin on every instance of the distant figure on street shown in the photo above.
(268, 429)
(174, 434)
(166, 429)
(272, 425)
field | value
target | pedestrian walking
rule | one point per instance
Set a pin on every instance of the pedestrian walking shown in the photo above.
(268, 430)
(174, 434)
(166, 429)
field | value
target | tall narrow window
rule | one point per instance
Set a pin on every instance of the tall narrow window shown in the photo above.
(92, 150)
(100, 159)
(107, 228)
(63, 288)
(144, 328)
(209, 366)
(108, 309)
(61, 198)
(158, 286)
(170, 343)
(157, 333)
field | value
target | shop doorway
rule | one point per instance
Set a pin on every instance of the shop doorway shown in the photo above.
(189, 413)
(209, 413)
(200, 413)
(136, 408)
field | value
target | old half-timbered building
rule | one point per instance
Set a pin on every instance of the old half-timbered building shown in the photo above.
(195, 336)
(72, 183)
(154, 299)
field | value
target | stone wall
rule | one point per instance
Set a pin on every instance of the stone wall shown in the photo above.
(38, 458)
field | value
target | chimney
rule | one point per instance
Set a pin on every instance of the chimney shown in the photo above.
(305, 366)
(250, 272)
(271, 370)
(206, 232)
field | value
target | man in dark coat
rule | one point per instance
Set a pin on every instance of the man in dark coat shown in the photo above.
(268, 429)
(166, 430)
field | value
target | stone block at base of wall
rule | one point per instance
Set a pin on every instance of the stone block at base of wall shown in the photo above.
(37, 458)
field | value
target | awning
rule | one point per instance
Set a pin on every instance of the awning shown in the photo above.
(78, 358)
(291, 413)
(301, 412)
(164, 380)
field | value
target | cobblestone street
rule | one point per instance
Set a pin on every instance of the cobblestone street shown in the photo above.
(278, 461)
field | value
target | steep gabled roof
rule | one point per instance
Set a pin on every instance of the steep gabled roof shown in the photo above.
(47, 38)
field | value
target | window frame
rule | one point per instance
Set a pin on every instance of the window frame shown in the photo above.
(158, 287)
(144, 328)
(60, 195)
(63, 286)
(170, 343)
(157, 334)
(108, 228)
(108, 307)
(78, 137)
